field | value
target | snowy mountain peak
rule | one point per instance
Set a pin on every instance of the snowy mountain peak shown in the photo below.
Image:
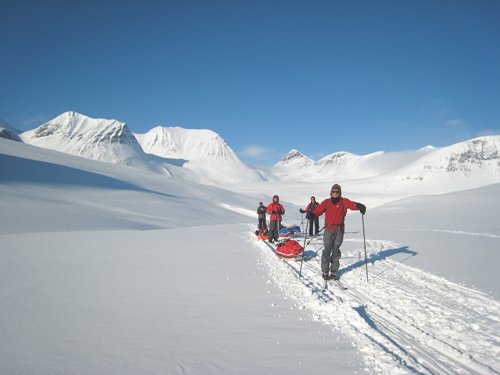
(72, 124)
(475, 154)
(427, 148)
(188, 144)
(292, 154)
(8, 132)
(206, 153)
(340, 157)
(294, 159)
(98, 139)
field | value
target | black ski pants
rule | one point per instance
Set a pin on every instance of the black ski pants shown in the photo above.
(274, 228)
(314, 222)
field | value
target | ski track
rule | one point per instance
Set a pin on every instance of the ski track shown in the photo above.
(403, 320)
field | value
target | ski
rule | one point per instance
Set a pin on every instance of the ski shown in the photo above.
(323, 292)
(340, 284)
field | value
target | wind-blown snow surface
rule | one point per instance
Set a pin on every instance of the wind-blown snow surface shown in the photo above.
(112, 269)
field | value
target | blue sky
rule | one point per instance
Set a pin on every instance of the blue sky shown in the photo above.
(268, 76)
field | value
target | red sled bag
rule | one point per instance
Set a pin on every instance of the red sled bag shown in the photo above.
(289, 249)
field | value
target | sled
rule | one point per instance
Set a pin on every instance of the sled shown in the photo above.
(289, 249)
(262, 234)
(289, 231)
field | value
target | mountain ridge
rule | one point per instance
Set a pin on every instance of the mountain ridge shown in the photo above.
(204, 156)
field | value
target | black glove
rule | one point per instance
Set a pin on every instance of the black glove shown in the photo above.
(309, 215)
(301, 211)
(274, 212)
(361, 208)
(280, 212)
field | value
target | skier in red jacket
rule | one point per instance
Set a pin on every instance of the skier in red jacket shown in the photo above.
(275, 209)
(335, 209)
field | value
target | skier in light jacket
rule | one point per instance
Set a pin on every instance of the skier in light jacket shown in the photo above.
(335, 209)
(276, 210)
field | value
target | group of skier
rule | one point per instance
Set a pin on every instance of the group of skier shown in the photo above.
(335, 209)
(276, 210)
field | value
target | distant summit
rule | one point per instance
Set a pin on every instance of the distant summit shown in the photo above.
(97, 139)
(8, 132)
(476, 159)
(203, 156)
(476, 156)
(205, 152)
(294, 158)
(188, 144)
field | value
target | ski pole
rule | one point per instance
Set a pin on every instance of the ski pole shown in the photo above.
(305, 245)
(364, 242)
(304, 249)
(308, 242)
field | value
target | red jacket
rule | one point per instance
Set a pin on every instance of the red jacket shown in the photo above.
(278, 208)
(335, 212)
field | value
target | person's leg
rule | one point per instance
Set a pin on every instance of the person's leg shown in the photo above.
(273, 230)
(327, 250)
(336, 254)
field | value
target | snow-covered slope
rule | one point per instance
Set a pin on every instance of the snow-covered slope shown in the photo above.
(8, 132)
(188, 144)
(108, 269)
(109, 141)
(479, 157)
(103, 195)
(295, 166)
(463, 165)
(205, 152)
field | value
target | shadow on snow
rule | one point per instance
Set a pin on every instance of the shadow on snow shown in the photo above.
(17, 169)
(363, 313)
(381, 255)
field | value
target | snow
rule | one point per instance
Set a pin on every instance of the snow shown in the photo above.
(114, 268)
(97, 139)
(8, 132)
(204, 154)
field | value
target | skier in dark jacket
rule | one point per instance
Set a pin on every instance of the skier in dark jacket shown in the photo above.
(311, 207)
(276, 210)
(261, 214)
(335, 209)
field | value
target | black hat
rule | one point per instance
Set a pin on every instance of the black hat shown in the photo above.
(336, 187)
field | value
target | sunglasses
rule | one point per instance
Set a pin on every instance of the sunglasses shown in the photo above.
(335, 191)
